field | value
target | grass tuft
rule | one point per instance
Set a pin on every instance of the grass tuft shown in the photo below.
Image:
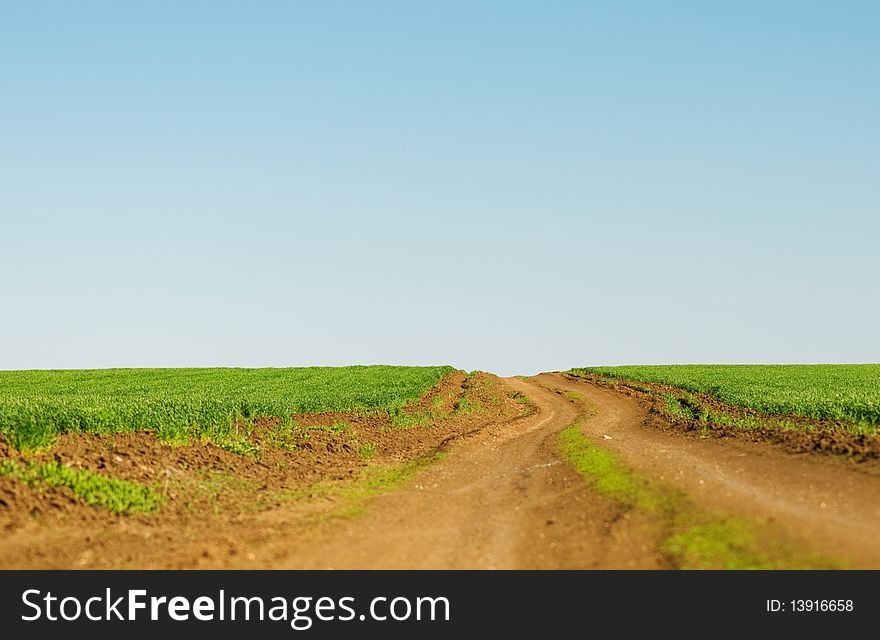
(118, 496)
(376, 481)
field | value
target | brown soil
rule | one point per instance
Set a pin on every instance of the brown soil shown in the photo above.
(501, 498)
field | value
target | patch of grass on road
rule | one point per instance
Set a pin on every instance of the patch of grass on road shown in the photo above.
(353, 495)
(693, 538)
(609, 478)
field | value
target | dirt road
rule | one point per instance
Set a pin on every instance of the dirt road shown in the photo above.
(504, 499)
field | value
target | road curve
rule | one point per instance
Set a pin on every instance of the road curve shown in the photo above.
(501, 499)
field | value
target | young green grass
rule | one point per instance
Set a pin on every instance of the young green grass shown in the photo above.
(181, 404)
(467, 405)
(118, 496)
(723, 544)
(366, 451)
(608, 477)
(404, 420)
(849, 393)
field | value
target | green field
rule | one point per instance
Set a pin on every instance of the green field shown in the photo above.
(179, 404)
(849, 393)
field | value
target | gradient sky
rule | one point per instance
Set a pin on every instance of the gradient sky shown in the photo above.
(509, 186)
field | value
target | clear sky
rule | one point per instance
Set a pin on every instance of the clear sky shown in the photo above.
(509, 186)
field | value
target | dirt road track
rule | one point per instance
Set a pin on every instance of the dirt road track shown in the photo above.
(504, 499)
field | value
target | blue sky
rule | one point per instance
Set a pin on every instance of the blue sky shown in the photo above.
(509, 186)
